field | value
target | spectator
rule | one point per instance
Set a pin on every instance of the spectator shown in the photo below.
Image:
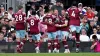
(84, 23)
(53, 2)
(80, 7)
(83, 36)
(6, 15)
(96, 44)
(58, 6)
(96, 21)
(2, 22)
(6, 21)
(91, 26)
(9, 39)
(2, 10)
(12, 37)
(94, 11)
(90, 14)
(41, 15)
(4, 30)
(10, 13)
(42, 27)
(29, 13)
(95, 33)
(0, 14)
(11, 26)
(33, 8)
(40, 9)
(2, 37)
(98, 29)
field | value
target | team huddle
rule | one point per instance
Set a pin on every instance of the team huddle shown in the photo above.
(57, 28)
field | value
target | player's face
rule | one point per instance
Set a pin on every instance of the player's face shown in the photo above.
(63, 12)
(20, 11)
(56, 12)
(50, 20)
(73, 7)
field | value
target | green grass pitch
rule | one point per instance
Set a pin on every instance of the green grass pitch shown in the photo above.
(49, 54)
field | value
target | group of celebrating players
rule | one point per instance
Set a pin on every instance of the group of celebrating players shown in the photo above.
(57, 28)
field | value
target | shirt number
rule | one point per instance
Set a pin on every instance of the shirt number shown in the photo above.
(73, 14)
(32, 22)
(18, 17)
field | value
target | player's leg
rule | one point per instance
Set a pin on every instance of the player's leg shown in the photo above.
(49, 42)
(55, 42)
(65, 35)
(73, 31)
(35, 41)
(20, 35)
(77, 38)
(38, 43)
(18, 41)
(29, 37)
(59, 38)
(23, 38)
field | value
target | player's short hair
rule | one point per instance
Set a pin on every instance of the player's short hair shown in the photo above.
(33, 12)
(20, 7)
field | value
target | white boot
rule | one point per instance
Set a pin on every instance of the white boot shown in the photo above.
(55, 50)
(49, 51)
(37, 50)
(67, 51)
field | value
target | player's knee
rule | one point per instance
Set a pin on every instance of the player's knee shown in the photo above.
(64, 39)
(49, 44)
(18, 39)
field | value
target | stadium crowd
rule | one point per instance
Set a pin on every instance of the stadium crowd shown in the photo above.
(78, 22)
